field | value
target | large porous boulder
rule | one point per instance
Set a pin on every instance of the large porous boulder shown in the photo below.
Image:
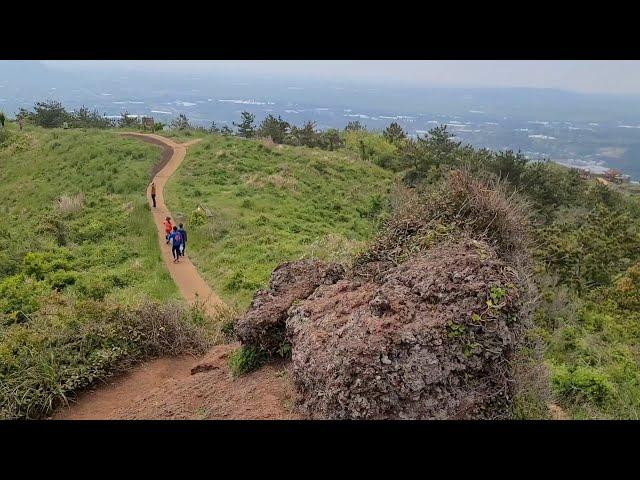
(431, 339)
(263, 325)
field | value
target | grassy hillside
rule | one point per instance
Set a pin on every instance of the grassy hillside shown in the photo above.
(102, 237)
(271, 203)
(80, 253)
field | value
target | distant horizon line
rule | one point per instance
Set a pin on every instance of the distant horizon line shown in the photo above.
(313, 80)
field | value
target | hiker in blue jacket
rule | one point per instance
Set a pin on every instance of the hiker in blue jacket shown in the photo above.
(175, 239)
(183, 246)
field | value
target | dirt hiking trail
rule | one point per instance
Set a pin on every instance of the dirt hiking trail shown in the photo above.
(189, 282)
(166, 388)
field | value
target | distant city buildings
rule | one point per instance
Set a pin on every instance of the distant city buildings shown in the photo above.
(610, 176)
(616, 176)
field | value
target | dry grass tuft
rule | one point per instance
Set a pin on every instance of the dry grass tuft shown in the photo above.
(219, 325)
(334, 248)
(70, 204)
(267, 142)
(254, 181)
(489, 210)
(283, 181)
(483, 209)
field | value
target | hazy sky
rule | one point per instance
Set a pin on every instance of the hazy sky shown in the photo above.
(590, 76)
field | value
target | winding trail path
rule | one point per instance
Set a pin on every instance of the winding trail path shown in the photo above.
(191, 285)
(165, 388)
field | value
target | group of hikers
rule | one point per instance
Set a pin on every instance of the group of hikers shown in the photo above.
(176, 236)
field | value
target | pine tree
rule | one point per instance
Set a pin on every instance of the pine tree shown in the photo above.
(394, 134)
(354, 126)
(275, 128)
(332, 139)
(126, 120)
(246, 128)
(181, 123)
(307, 135)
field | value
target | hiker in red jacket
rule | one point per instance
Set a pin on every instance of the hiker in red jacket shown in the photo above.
(168, 227)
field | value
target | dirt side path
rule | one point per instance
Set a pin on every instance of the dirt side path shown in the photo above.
(165, 388)
(265, 394)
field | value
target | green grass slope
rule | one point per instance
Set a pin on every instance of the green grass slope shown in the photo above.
(107, 247)
(271, 204)
(75, 275)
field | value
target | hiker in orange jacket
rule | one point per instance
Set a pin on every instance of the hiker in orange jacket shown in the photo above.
(168, 227)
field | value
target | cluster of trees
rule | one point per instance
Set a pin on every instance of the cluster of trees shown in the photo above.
(225, 130)
(282, 132)
(129, 121)
(52, 114)
(424, 159)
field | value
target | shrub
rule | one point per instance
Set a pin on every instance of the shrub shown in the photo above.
(91, 230)
(582, 384)
(93, 286)
(9, 265)
(62, 279)
(237, 282)
(54, 225)
(221, 323)
(488, 209)
(245, 359)
(39, 264)
(373, 208)
(371, 147)
(459, 203)
(334, 248)
(626, 289)
(589, 250)
(19, 296)
(198, 217)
